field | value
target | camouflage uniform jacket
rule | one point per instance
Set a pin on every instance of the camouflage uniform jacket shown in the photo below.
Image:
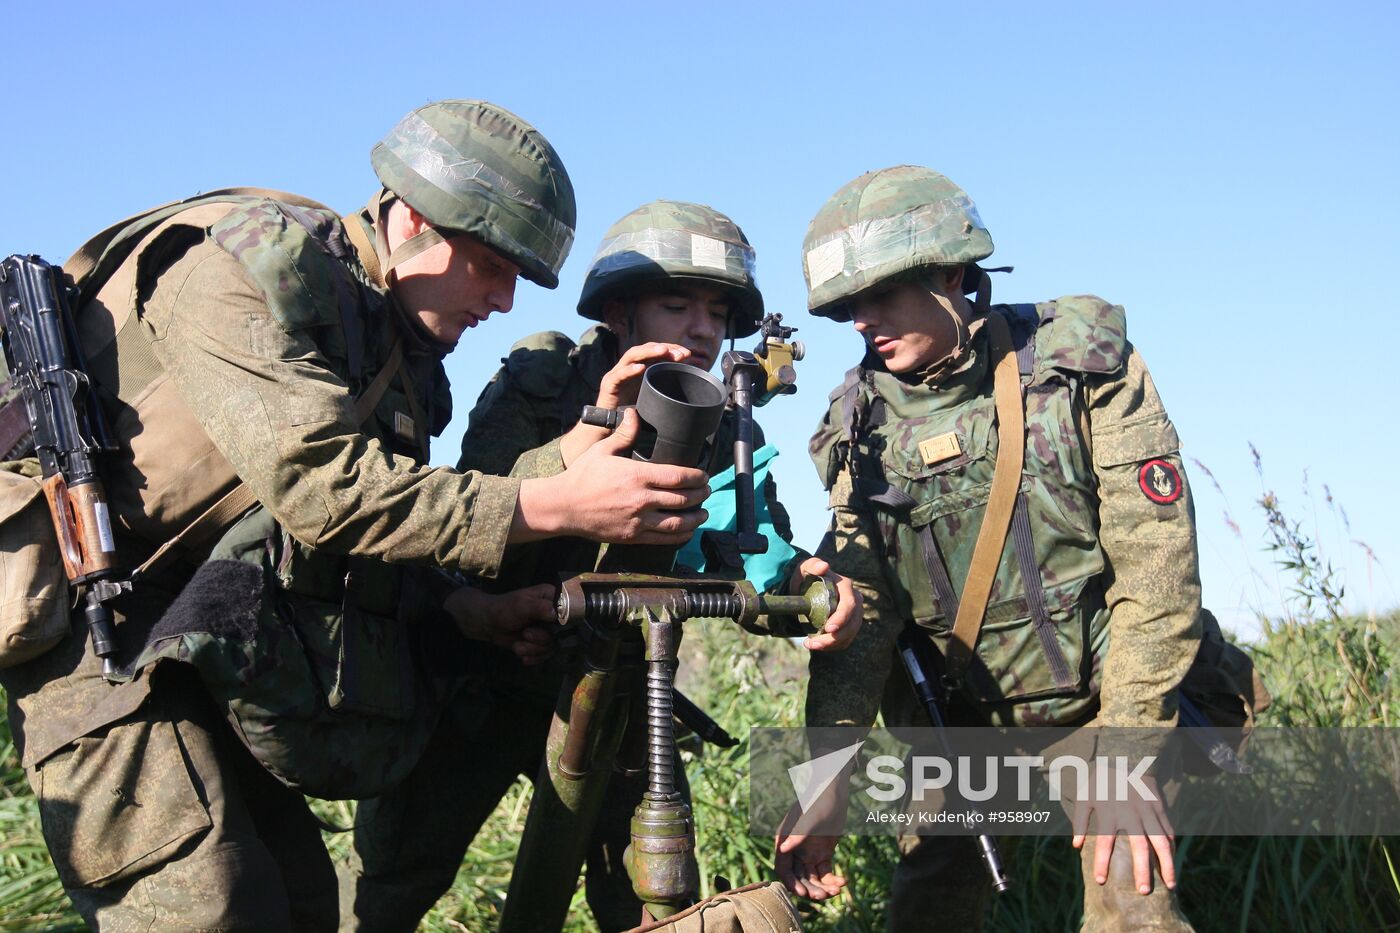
(248, 320)
(1110, 519)
(536, 397)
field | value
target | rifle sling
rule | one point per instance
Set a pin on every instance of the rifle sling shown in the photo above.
(1001, 502)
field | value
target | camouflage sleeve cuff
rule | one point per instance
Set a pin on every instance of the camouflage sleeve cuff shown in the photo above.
(547, 460)
(492, 512)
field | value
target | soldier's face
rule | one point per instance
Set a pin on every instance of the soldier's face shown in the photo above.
(904, 324)
(693, 315)
(454, 285)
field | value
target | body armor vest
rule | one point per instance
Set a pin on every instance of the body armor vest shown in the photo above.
(920, 460)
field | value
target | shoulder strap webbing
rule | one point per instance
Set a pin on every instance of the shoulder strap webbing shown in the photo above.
(102, 253)
(1006, 481)
(1028, 320)
(849, 395)
(369, 398)
(368, 257)
(415, 411)
(1035, 594)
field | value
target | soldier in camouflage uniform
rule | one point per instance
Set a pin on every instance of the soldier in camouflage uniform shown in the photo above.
(279, 347)
(1093, 611)
(670, 281)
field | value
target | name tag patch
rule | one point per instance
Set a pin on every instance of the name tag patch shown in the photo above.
(404, 427)
(940, 448)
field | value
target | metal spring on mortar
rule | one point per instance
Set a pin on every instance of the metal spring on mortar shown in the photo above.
(661, 739)
(698, 605)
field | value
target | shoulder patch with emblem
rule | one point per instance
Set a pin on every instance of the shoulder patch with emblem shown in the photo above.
(1159, 481)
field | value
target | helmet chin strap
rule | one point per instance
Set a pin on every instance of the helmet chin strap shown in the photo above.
(378, 208)
(424, 239)
(958, 352)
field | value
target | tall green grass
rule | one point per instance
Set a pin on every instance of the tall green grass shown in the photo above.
(1323, 666)
(1323, 671)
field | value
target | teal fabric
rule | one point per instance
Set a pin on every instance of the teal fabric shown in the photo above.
(764, 571)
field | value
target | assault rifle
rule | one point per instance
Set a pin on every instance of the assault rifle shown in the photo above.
(922, 666)
(41, 349)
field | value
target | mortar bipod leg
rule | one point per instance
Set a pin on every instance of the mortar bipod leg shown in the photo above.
(589, 721)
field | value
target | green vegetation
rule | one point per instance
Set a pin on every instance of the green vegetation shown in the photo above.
(1324, 668)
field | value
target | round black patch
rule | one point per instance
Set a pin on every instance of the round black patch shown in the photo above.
(1160, 482)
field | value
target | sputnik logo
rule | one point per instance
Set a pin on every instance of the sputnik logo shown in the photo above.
(810, 779)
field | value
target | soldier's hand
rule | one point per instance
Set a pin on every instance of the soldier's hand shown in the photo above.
(804, 862)
(1145, 825)
(619, 387)
(607, 496)
(843, 624)
(521, 621)
(621, 384)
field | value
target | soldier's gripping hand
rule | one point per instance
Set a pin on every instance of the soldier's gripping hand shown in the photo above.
(1141, 819)
(521, 621)
(607, 496)
(618, 387)
(621, 384)
(843, 624)
(803, 860)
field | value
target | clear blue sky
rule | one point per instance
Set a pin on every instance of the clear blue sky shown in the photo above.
(1225, 171)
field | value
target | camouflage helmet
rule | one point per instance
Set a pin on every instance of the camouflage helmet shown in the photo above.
(885, 223)
(471, 167)
(667, 240)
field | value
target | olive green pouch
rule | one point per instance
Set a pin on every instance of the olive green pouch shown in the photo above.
(34, 594)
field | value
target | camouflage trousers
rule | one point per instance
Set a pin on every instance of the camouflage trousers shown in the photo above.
(941, 882)
(410, 842)
(163, 821)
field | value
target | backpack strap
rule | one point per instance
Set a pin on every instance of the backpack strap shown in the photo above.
(218, 516)
(849, 394)
(1027, 320)
(100, 255)
(369, 258)
(1024, 546)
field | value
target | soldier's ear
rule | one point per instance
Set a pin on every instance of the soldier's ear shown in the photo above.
(953, 279)
(406, 222)
(946, 280)
(617, 316)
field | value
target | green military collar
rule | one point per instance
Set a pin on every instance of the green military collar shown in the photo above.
(595, 354)
(910, 399)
